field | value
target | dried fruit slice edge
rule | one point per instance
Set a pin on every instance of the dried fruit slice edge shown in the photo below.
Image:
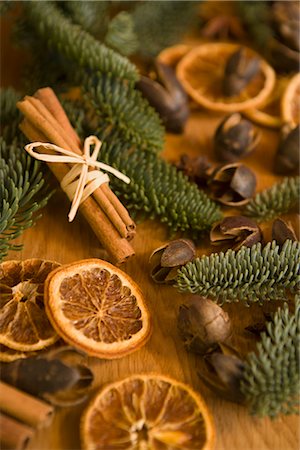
(290, 98)
(77, 338)
(163, 428)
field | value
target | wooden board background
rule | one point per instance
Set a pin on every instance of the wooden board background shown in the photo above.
(54, 238)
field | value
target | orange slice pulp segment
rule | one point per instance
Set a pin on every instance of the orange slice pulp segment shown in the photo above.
(24, 325)
(201, 73)
(96, 307)
(147, 412)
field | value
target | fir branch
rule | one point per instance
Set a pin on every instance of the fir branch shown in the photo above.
(256, 16)
(92, 16)
(120, 34)
(8, 99)
(76, 44)
(275, 201)
(249, 275)
(160, 24)
(22, 193)
(271, 377)
(117, 104)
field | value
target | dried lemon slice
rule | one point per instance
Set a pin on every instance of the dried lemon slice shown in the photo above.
(24, 325)
(147, 412)
(98, 308)
(290, 102)
(201, 73)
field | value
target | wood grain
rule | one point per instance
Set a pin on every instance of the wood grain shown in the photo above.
(56, 239)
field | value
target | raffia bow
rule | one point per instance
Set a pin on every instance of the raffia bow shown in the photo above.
(80, 182)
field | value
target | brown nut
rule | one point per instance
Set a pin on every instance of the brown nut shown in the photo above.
(165, 261)
(283, 230)
(234, 138)
(240, 69)
(236, 230)
(196, 169)
(287, 159)
(232, 184)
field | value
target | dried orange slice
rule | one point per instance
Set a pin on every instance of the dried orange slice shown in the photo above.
(290, 103)
(201, 73)
(98, 308)
(172, 55)
(24, 325)
(147, 412)
(8, 354)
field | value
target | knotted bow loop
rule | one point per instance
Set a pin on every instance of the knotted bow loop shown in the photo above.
(79, 183)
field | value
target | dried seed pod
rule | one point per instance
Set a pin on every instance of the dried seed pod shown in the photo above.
(234, 138)
(287, 157)
(167, 96)
(285, 17)
(232, 184)
(196, 169)
(240, 69)
(282, 230)
(202, 325)
(58, 376)
(238, 231)
(165, 260)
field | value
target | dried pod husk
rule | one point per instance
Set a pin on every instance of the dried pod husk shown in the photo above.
(224, 376)
(167, 96)
(287, 156)
(240, 69)
(196, 169)
(202, 325)
(52, 376)
(283, 230)
(232, 184)
(286, 21)
(165, 260)
(234, 138)
(238, 231)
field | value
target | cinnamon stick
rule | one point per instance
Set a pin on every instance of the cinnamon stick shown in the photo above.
(13, 434)
(24, 407)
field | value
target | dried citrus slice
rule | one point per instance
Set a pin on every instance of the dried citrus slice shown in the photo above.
(290, 102)
(147, 412)
(8, 354)
(268, 114)
(172, 55)
(24, 325)
(98, 308)
(201, 73)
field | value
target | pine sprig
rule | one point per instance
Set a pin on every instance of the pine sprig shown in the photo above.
(117, 104)
(75, 43)
(22, 193)
(120, 34)
(248, 275)
(271, 377)
(277, 200)
(10, 115)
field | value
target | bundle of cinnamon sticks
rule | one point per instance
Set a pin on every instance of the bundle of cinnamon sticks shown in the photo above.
(46, 121)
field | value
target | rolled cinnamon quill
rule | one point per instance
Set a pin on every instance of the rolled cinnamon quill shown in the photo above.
(13, 434)
(24, 407)
(46, 121)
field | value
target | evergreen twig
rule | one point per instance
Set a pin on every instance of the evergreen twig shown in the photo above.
(248, 275)
(271, 377)
(120, 34)
(277, 200)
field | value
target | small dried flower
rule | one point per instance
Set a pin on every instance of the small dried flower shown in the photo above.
(196, 169)
(282, 230)
(240, 69)
(202, 324)
(167, 96)
(238, 231)
(166, 260)
(287, 157)
(232, 184)
(235, 138)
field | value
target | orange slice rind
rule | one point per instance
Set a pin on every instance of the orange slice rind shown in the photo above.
(24, 325)
(201, 73)
(147, 412)
(290, 102)
(97, 308)
(172, 55)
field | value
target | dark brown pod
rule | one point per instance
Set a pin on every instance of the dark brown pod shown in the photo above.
(287, 156)
(234, 138)
(240, 69)
(167, 96)
(238, 231)
(202, 325)
(286, 21)
(196, 169)
(232, 184)
(166, 260)
(283, 230)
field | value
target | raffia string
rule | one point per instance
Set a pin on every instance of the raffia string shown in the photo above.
(80, 182)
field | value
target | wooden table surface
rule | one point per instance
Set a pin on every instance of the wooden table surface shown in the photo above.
(55, 239)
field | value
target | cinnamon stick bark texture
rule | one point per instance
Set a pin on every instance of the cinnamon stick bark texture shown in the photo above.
(13, 434)
(24, 407)
(46, 121)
